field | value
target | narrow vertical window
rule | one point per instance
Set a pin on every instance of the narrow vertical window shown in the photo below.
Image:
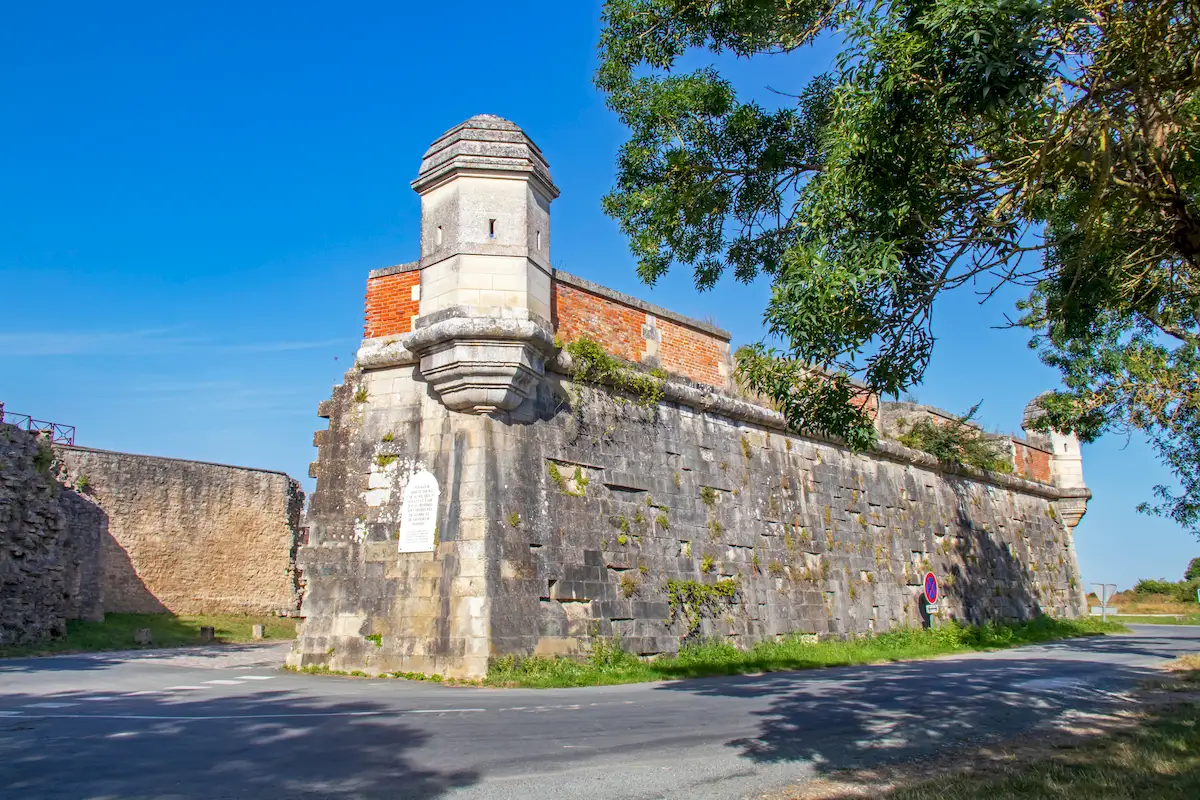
(491, 229)
(439, 234)
(539, 240)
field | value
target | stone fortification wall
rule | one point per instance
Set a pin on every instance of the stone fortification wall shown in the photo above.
(569, 519)
(818, 539)
(190, 537)
(49, 544)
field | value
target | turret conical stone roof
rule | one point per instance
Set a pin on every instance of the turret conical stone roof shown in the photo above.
(486, 143)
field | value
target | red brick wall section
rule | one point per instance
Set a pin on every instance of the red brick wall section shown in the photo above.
(614, 326)
(390, 304)
(618, 327)
(686, 351)
(1031, 463)
(868, 402)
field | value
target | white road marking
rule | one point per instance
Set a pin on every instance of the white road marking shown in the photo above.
(50, 705)
(141, 694)
(105, 699)
(183, 688)
(1053, 683)
(223, 682)
(257, 677)
(10, 713)
(220, 717)
(542, 709)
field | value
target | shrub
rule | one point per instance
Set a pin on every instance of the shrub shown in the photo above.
(957, 442)
(1179, 591)
(692, 600)
(593, 365)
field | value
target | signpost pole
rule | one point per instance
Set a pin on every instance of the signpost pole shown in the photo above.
(932, 594)
(1105, 593)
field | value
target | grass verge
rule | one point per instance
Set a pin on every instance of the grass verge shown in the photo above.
(609, 664)
(1182, 619)
(1152, 750)
(167, 630)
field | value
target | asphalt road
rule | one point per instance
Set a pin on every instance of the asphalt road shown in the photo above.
(226, 722)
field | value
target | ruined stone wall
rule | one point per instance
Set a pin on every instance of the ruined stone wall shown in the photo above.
(190, 537)
(568, 518)
(49, 545)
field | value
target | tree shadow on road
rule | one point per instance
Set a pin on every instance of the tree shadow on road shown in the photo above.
(850, 718)
(268, 745)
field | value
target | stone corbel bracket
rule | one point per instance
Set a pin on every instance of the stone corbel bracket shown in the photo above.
(482, 364)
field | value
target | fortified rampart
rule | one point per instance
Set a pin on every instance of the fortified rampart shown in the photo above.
(481, 492)
(189, 537)
(85, 532)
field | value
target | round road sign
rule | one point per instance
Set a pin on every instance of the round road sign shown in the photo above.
(931, 587)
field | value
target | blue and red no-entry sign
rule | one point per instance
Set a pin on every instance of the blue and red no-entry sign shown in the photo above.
(931, 588)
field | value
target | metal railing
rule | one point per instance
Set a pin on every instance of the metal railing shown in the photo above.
(55, 432)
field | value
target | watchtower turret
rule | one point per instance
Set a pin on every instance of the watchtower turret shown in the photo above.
(1066, 460)
(483, 328)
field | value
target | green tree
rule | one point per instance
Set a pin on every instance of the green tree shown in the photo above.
(953, 143)
(1193, 570)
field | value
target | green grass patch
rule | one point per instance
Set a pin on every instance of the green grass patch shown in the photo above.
(167, 630)
(609, 664)
(1182, 619)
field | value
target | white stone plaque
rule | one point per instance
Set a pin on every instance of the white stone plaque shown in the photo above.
(418, 515)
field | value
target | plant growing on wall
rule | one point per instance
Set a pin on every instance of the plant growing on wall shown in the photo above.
(593, 365)
(715, 529)
(575, 487)
(43, 459)
(958, 442)
(693, 601)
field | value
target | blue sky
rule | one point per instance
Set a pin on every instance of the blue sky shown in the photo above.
(194, 194)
